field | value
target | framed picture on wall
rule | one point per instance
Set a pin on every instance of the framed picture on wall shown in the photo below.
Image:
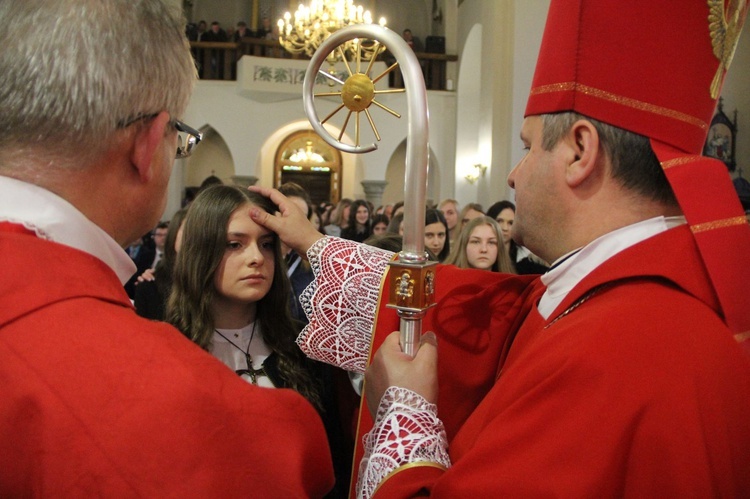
(722, 134)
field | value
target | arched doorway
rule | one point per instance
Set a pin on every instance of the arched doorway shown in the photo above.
(212, 159)
(306, 159)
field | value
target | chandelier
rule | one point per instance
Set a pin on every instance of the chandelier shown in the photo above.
(310, 26)
(306, 155)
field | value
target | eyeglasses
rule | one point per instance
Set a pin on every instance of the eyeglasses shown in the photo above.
(187, 137)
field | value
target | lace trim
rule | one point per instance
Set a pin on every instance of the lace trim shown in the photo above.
(406, 430)
(341, 302)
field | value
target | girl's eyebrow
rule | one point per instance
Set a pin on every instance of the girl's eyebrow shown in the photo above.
(246, 235)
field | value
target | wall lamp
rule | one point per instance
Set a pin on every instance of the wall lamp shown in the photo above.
(477, 171)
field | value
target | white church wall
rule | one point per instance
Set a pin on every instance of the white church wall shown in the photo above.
(246, 124)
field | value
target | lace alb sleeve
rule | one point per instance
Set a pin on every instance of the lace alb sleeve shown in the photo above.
(341, 302)
(406, 430)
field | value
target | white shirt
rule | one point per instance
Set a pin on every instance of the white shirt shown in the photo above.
(157, 257)
(566, 275)
(55, 219)
(242, 340)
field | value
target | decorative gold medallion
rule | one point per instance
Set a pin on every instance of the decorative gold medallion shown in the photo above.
(359, 93)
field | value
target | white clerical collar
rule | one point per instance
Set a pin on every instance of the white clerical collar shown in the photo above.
(570, 269)
(53, 218)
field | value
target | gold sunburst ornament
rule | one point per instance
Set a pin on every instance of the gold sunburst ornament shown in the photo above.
(358, 93)
(725, 29)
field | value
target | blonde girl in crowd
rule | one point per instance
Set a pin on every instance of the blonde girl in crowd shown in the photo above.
(479, 246)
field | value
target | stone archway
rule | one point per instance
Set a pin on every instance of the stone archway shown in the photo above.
(213, 157)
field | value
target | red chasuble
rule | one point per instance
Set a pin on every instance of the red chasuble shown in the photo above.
(97, 401)
(633, 387)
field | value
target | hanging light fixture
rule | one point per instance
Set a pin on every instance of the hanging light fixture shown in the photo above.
(303, 32)
(306, 155)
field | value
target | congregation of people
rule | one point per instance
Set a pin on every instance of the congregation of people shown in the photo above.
(192, 277)
(465, 237)
(202, 32)
(448, 238)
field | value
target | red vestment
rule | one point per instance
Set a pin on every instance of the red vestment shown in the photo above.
(97, 401)
(633, 387)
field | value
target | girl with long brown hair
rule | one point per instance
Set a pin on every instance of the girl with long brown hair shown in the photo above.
(230, 292)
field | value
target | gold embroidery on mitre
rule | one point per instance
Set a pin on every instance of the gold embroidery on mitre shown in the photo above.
(718, 224)
(740, 337)
(554, 87)
(725, 29)
(684, 160)
(625, 101)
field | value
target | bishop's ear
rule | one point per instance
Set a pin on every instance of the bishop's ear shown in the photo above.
(148, 138)
(583, 140)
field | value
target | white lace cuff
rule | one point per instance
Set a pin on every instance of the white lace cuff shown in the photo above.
(342, 301)
(406, 430)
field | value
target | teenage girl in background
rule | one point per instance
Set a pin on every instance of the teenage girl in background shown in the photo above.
(480, 246)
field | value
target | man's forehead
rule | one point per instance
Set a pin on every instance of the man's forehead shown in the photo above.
(529, 125)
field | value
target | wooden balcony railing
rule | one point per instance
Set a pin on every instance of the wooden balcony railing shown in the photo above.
(218, 60)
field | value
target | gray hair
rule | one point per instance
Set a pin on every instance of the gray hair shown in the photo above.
(634, 163)
(95, 65)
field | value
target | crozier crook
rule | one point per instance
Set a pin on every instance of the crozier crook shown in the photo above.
(412, 280)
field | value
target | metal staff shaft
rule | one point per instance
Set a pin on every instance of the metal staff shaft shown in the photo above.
(412, 276)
